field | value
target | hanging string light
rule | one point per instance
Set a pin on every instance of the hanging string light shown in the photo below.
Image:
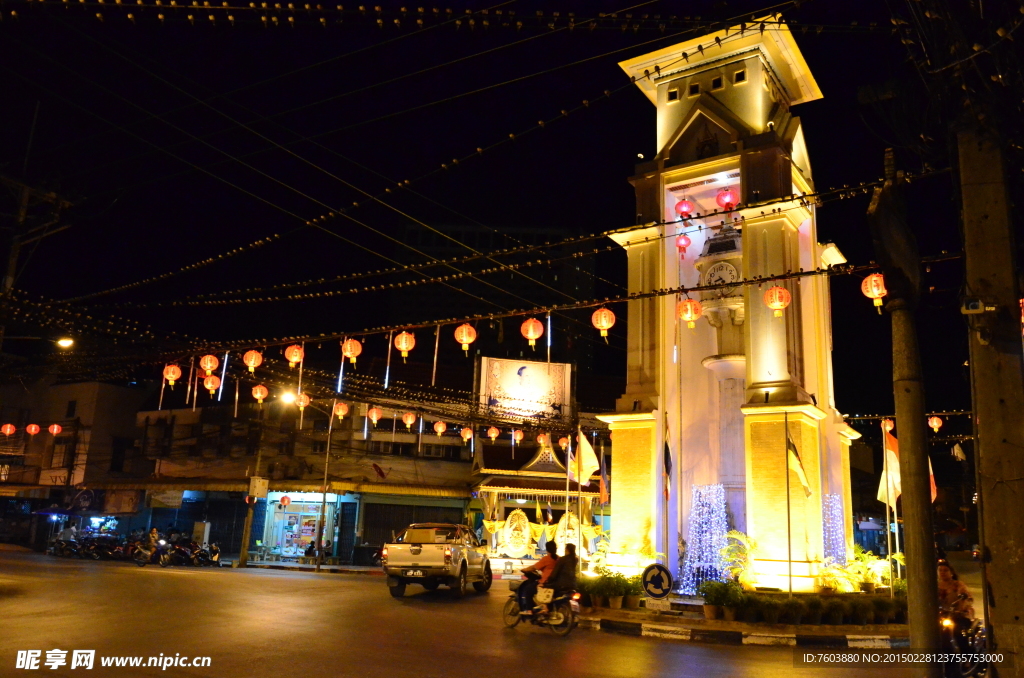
(408, 419)
(351, 348)
(532, 329)
(211, 383)
(689, 311)
(252, 360)
(405, 342)
(465, 334)
(294, 355)
(208, 363)
(778, 299)
(172, 373)
(603, 319)
(340, 410)
(873, 287)
(259, 392)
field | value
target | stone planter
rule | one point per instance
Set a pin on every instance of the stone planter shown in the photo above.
(867, 586)
(615, 602)
(631, 602)
(598, 601)
(729, 613)
(712, 611)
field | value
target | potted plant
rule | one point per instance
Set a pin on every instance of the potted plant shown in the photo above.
(750, 607)
(833, 610)
(616, 589)
(900, 616)
(771, 608)
(813, 606)
(835, 578)
(884, 609)
(585, 587)
(738, 556)
(862, 610)
(634, 591)
(733, 602)
(793, 610)
(714, 594)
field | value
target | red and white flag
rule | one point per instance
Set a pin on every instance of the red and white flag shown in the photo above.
(891, 470)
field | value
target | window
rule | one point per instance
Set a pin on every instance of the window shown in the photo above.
(436, 451)
(318, 446)
(694, 89)
(716, 83)
(72, 408)
(673, 95)
(63, 451)
(740, 76)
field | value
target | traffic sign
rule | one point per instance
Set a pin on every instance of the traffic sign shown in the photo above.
(657, 581)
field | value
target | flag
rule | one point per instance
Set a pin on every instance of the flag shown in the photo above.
(540, 516)
(605, 489)
(892, 469)
(667, 472)
(796, 463)
(551, 516)
(570, 463)
(587, 461)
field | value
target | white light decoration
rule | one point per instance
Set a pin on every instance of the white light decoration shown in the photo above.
(833, 528)
(708, 528)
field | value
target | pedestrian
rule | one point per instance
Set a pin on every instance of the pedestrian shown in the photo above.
(68, 533)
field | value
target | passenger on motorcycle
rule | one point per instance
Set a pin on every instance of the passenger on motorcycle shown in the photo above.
(950, 591)
(543, 567)
(563, 577)
(149, 545)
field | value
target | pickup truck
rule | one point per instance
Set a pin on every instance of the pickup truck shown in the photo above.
(431, 554)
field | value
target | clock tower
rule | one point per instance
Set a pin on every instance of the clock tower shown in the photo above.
(726, 398)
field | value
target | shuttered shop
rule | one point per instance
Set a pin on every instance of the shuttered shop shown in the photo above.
(380, 520)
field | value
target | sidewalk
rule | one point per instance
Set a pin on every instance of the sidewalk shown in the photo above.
(674, 626)
(296, 567)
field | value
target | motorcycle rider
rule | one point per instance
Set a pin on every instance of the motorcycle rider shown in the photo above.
(544, 567)
(563, 576)
(149, 546)
(951, 589)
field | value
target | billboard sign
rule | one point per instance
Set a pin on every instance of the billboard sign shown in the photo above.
(524, 388)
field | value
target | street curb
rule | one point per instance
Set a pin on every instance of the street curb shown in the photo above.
(729, 637)
(328, 570)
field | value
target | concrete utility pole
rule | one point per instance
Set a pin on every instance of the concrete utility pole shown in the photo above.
(997, 381)
(897, 253)
(243, 556)
(323, 490)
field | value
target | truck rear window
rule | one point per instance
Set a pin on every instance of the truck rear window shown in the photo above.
(428, 535)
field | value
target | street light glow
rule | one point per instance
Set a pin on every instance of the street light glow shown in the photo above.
(288, 397)
(65, 342)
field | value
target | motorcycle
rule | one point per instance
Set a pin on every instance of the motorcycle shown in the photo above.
(159, 555)
(202, 557)
(563, 610)
(181, 553)
(965, 637)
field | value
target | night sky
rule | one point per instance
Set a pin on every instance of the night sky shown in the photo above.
(168, 137)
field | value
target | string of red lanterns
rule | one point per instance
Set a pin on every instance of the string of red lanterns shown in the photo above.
(532, 329)
(252, 360)
(294, 355)
(405, 342)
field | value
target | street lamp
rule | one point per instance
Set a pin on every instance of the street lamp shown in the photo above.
(288, 397)
(65, 342)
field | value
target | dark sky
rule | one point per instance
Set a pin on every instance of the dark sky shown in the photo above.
(142, 125)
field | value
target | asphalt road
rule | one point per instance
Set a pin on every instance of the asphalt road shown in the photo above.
(277, 624)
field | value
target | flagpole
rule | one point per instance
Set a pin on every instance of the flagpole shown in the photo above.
(789, 516)
(888, 506)
(579, 500)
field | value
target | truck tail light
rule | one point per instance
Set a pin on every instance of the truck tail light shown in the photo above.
(447, 555)
(384, 556)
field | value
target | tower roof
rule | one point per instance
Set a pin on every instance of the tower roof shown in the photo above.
(775, 43)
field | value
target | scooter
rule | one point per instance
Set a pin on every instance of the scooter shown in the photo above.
(159, 555)
(966, 638)
(563, 609)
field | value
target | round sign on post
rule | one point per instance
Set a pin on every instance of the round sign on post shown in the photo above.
(657, 581)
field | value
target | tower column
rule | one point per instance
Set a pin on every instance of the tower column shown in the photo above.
(730, 370)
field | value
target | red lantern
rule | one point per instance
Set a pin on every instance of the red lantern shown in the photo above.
(212, 383)
(259, 392)
(440, 427)
(405, 342)
(684, 208)
(340, 410)
(8, 429)
(285, 500)
(172, 373)
(727, 199)
(493, 433)
(873, 287)
(294, 355)
(252, 359)
(888, 425)
(777, 298)
(32, 429)
(682, 242)
(465, 335)
(603, 320)
(467, 434)
(563, 442)
(517, 436)
(302, 400)
(935, 423)
(408, 419)
(689, 310)
(351, 348)
(542, 438)
(375, 414)
(208, 363)
(533, 330)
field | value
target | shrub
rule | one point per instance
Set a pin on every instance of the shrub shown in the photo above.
(899, 588)
(613, 584)
(813, 604)
(771, 608)
(834, 609)
(713, 592)
(750, 607)
(586, 584)
(862, 610)
(793, 610)
(901, 610)
(884, 609)
(733, 595)
(634, 585)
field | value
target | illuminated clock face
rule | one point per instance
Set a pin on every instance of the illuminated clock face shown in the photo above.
(721, 273)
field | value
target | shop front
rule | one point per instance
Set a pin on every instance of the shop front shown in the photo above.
(293, 523)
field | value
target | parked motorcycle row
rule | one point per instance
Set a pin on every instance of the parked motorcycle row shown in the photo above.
(108, 548)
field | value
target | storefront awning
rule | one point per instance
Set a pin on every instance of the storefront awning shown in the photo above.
(242, 485)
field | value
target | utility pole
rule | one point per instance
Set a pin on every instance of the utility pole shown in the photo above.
(243, 556)
(992, 307)
(897, 253)
(323, 490)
